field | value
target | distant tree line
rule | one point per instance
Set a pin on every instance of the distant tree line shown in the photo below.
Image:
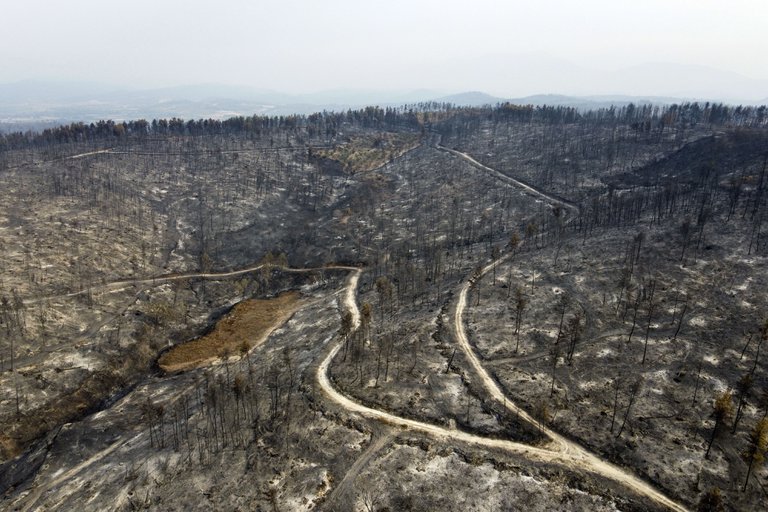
(443, 117)
(641, 117)
(326, 124)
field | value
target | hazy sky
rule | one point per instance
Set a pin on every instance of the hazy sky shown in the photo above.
(306, 45)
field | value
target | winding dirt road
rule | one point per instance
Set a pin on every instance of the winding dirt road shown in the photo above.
(323, 379)
(568, 452)
(124, 284)
(140, 284)
(560, 450)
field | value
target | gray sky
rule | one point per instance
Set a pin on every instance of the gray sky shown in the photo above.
(305, 45)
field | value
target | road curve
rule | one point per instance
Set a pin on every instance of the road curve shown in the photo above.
(560, 450)
(574, 455)
(566, 453)
(323, 379)
(122, 284)
(570, 453)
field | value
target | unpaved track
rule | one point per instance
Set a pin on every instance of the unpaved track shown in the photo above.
(140, 284)
(560, 450)
(573, 454)
(124, 284)
(38, 491)
(83, 155)
(565, 452)
(517, 183)
(340, 493)
(568, 452)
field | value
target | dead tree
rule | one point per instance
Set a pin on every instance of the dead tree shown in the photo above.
(651, 307)
(722, 410)
(633, 391)
(756, 451)
(520, 304)
(573, 336)
(743, 387)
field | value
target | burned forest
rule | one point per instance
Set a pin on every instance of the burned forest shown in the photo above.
(428, 307)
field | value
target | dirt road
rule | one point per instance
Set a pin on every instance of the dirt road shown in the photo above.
(573, 208)
(341, 493)
(124, 284)
(567, 452)
(560, 450)
(138, 285)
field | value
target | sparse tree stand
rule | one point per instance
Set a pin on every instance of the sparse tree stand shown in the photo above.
(723, 408)
(755, 453)
(11, 318)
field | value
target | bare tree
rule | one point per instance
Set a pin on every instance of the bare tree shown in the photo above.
(722, 410)
(758, 446)
(651, 307)
(370, 500)
(634, 389)
(685, 234)
(554, 354)
(616, 386)
(345, 330)
(573, 336)
(743, 387)
(680, 321)
(520, 304)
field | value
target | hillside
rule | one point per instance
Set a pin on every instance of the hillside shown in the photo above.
(435, 307)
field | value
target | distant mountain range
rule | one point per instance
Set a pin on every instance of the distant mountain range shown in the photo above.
(535, 73)
(36, 104)
(476, 99)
